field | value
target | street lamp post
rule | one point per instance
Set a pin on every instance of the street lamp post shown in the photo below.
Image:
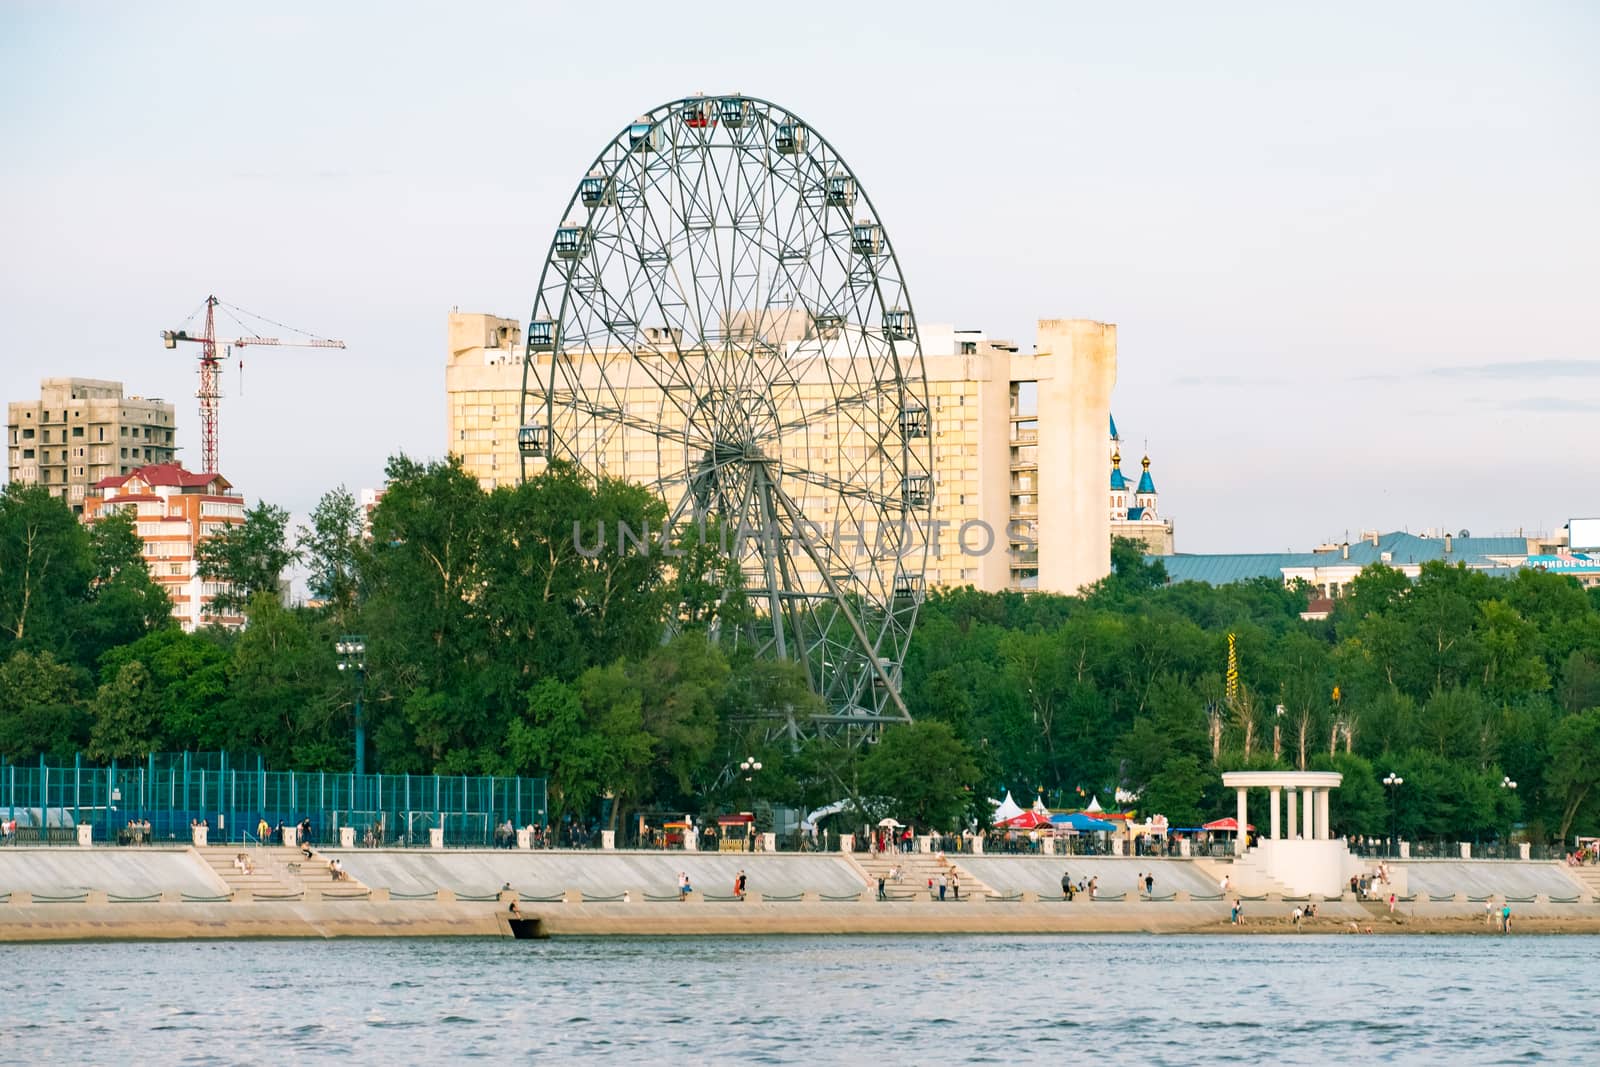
(1507, 784)
(750, 767)
(352, 649)
(1394, 782)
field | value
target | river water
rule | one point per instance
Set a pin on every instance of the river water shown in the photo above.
(813, 1000)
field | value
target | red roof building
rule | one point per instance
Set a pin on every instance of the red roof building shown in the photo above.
(174, 510)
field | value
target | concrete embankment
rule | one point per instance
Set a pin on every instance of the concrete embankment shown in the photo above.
(92, 921)
(53, 894)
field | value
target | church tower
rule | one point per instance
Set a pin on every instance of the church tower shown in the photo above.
(1144, 497)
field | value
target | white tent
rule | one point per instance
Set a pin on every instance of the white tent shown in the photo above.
(1005, 809)
(1094, 805)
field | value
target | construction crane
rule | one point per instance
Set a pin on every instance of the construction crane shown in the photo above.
(211, 363)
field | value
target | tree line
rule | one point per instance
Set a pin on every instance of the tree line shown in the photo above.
(494, 646)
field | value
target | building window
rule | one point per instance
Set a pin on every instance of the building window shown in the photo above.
(27, 434)
(77, 431)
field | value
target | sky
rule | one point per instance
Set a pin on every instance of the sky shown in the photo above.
(1352, 251)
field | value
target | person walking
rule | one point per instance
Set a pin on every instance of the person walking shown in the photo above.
(1149, 883)
(941, 886)
(1066, 885)
(1505, 918)
(739, 886)
(955, 885)
(1238, 911)
(881, 894)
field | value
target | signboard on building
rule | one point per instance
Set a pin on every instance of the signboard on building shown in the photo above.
(1583, 533)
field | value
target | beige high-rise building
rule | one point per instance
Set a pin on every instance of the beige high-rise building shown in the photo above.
(82, 430)
(1018, 460)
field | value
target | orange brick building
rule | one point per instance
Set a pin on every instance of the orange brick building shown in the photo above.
(174, 510)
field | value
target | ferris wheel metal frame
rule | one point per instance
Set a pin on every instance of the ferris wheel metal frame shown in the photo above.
(721, 317)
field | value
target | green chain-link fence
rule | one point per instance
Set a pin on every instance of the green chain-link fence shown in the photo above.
(172, 790)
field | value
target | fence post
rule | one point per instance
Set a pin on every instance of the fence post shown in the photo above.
(77, 790)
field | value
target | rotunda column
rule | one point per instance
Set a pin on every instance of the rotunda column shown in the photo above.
(1275, 793)
(1240, 838)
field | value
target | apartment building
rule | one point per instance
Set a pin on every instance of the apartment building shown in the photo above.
(81, 431)
(174, 511)
(1017, 440)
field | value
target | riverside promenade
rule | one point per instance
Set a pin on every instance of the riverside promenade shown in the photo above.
(185, 893)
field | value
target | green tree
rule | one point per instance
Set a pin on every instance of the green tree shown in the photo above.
(330, 548)
(681, 686)
(286, 697)
(127, 716)
(1574, 772)
(246, 559)
(189, 675)
(45, 571)
(41, 710)
(925, 770)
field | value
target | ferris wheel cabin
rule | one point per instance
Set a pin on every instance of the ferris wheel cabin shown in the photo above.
(866, 238)
(696, 115)
(571, 239)
(841, 191)
(644, 136)
(734, 112)
(533, 440)
(541, 336)
(790, 139)
(908, 588)
(897, 324)
(913, 421)
(593, 190)
(916, 490)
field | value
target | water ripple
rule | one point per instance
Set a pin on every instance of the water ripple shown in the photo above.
(813, 1000)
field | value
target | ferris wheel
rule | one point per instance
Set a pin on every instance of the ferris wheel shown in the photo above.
(722, 318)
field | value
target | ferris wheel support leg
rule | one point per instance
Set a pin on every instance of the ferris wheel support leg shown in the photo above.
(763, 494)
(844, 608)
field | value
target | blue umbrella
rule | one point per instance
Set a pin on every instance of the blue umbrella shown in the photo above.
(1077, 820)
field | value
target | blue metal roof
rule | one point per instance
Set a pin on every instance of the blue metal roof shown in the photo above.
(1117, 480)
(1114, 427)
(1146, 483)
(1403, 549)
(1135, 514)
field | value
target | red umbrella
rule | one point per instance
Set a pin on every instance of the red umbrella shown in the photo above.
(1229, 824)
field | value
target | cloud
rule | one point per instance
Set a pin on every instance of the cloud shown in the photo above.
(1227, 380)
(1521, 369)
(1503, 370)
(1556, 405)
